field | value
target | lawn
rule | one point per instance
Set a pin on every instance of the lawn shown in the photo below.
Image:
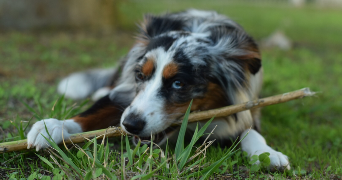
(308, 130)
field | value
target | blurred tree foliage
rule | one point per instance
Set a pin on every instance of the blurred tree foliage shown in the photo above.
(49, 14)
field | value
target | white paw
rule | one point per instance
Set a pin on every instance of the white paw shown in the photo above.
(254, 144)
(279, 161)
(55, 127)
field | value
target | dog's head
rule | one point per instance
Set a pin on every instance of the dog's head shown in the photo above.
(190, 55)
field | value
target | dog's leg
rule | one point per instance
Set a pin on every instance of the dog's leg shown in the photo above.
(255, 144)
(80, 85)
(102, 114)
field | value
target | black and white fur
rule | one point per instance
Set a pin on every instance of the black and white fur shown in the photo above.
(199, 55)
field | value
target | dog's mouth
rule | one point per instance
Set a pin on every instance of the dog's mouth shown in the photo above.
(158, 138)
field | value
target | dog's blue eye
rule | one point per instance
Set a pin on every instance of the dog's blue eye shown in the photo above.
(177, 84)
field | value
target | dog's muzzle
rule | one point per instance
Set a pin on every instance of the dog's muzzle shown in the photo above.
(134, 124)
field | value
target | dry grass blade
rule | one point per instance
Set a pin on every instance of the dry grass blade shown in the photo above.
(205, 144)
(62, 167)
(63, 137)
(212, 132)
(202, 151)
(81, 149)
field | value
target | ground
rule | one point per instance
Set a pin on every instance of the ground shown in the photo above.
(307, 130)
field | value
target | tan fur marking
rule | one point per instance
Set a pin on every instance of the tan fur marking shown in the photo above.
(142, 41)
(214, 98)
(251, 58)
(252, 52)
(148, 67)
(103, 118)
(250, 55)
(170, 70)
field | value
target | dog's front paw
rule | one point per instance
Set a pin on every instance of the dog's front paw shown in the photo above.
(54, 127)
(279, 161)
(254, 144)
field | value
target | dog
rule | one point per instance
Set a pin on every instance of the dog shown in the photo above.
(178, 57)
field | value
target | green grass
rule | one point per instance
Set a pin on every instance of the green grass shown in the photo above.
(94, 160)
(308, 130)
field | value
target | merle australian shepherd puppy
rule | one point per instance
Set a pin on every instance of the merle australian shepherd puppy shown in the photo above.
(192, 55)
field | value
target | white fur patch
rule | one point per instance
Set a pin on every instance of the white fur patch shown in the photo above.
(255, 84)
(76, 86)
(80, 85)
(255, 144)
(55, 128)
(100, 93)
(147, 103)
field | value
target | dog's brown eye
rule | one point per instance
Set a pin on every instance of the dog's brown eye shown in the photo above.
(140, 76)
(177, 84)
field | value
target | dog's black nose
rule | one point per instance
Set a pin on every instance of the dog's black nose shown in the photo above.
(134, 124)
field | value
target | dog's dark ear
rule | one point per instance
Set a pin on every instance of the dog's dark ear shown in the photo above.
(251, 56)
(153, 26)
(234, 44)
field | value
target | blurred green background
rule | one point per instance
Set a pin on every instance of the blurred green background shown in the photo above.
(41, 45)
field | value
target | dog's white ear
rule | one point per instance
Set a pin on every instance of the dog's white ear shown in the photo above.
(123, 94)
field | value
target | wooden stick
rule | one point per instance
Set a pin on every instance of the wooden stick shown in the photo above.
(193, 117)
